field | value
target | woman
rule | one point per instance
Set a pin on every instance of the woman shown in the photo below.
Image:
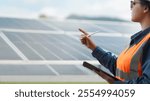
(132, 66)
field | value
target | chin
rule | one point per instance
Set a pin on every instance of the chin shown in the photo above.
(134, 20)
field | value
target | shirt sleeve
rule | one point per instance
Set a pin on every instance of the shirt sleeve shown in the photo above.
(145, 78)
(107, 59)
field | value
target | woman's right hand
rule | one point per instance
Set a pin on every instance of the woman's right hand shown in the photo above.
(85, 39)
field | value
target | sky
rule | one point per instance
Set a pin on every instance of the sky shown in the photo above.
(63, 8)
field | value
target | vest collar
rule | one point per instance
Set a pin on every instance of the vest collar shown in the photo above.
(139, 36)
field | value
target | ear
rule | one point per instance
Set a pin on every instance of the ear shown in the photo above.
(146, 9)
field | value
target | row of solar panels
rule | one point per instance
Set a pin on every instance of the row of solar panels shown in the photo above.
(53, 47)
(68, 25)
(25, 44)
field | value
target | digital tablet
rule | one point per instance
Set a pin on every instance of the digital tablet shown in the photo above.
(94, 68)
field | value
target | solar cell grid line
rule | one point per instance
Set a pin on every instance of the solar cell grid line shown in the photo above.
(63, 51)
(74, 50)
(60, 53)
(101, 29)
(112, 27)
(33, 24)
(31, 42)
(103, 23)
(30, 47)
(109, 45)
(50, 52)
(59, 48)
(5, 48)
(53, 70)
(59, 25)
(113, 39)
(116, 50)
(69, 50)
(107, 30)
(121, 28)
(101, 38)
(107, 42)
(13, 46)
(72, 36)
(22, 46)
(51, 25)
(73, 26)
(77, 45)
(42, 47)
(41, 57)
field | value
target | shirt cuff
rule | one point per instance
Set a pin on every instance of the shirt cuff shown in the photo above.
(98, 52)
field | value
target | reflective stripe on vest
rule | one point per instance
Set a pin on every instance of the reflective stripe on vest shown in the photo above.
(129, 61)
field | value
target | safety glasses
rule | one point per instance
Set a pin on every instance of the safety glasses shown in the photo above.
(133, 3)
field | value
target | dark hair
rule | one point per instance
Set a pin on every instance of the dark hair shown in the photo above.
(145, 3)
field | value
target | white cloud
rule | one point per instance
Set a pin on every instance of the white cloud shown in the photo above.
(31, 1)
(16, 12)
(115, 8)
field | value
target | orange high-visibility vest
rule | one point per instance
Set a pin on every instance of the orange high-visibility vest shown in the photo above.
(129, 61)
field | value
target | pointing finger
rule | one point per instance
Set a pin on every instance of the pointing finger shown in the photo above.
(83, 31)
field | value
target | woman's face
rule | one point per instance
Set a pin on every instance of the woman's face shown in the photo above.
(137, 11)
